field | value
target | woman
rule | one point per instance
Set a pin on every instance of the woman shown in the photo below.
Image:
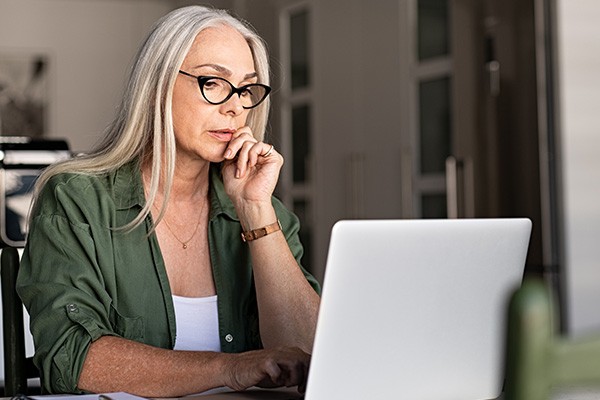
(134, 252)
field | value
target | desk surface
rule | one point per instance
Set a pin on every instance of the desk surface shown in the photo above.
(259, 394)
(292, 394)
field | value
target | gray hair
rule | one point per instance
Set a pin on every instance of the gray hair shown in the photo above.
(144, 129)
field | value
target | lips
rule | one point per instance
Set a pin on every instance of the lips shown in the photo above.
(223, 135)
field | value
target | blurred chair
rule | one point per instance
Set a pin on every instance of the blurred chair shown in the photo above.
(540, 359)
(17, 367)
(21, 161)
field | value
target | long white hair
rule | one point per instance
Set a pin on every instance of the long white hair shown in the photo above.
(143, 127)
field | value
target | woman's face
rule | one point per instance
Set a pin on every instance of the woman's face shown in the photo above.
(203, 130)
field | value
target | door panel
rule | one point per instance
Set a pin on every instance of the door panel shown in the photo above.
(496, 117)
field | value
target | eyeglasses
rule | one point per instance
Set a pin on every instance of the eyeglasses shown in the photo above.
(218, 90)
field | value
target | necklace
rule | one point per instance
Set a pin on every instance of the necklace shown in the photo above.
(184, 243)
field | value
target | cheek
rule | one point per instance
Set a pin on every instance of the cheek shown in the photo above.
(189, 117)
(185, 105)
(189, 125)
(178, 108)
(182, 121)
(242, 119)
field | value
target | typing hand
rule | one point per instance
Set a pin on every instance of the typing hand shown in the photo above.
(286, 366)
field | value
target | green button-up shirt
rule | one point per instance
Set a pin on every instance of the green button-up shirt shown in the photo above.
(81, 277)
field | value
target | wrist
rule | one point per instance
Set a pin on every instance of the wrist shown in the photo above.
(225, 369)
(255, 215)
(254, 234)
(230, 372)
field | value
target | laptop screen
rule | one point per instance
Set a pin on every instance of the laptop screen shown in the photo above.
(415, 309)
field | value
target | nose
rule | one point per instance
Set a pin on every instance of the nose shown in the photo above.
(233, 105)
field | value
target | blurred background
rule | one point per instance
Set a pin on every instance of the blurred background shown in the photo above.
(382, 109)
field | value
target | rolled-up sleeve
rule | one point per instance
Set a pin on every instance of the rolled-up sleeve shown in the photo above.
(63, 289)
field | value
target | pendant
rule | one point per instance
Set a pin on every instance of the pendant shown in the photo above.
(184, 246)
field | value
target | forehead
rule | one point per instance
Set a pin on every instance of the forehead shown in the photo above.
(221, 45)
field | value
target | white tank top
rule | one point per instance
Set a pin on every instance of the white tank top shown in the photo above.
(197, 322)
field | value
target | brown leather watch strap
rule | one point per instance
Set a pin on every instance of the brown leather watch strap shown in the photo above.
(254, 234)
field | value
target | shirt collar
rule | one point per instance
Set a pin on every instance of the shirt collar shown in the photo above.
(129, 191)
(127, 186)
(220, 203)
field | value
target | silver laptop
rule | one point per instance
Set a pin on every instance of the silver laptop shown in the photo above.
(415, 309)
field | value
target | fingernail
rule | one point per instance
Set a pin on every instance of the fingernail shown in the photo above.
(237, 173)
(228, 153)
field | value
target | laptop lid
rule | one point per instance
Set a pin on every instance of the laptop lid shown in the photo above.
(415, 309)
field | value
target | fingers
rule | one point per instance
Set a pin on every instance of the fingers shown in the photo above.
(271, 368)
(296, 375)
(240, 137)
(304, 377)
(293, 366)
(248, 151)
(258, 154)
(244, 159)
(268, 153)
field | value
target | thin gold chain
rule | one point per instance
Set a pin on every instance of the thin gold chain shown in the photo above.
(184, 244)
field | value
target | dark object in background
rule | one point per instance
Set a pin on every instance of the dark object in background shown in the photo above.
(21, 161)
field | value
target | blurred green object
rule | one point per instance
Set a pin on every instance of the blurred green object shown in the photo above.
(538, 357)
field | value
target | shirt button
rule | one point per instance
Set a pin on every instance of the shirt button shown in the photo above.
(72, 308)
(229, 338)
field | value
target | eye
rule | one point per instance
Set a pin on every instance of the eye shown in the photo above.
(212, 84)
(247, 92)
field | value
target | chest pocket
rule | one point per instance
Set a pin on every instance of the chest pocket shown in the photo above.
(127, 327)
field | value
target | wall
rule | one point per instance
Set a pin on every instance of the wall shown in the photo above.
(357, 140)
(579, 63)
(90, 44)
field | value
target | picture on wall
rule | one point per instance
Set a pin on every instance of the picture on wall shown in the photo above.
(23, 94)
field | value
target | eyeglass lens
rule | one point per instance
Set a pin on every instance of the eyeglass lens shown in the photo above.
(217, 90)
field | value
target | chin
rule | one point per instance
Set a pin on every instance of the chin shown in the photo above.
(214, 156)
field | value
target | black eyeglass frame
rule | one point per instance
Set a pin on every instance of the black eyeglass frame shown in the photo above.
(202, 79)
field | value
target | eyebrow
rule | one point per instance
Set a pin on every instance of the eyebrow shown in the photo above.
(226, 71)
